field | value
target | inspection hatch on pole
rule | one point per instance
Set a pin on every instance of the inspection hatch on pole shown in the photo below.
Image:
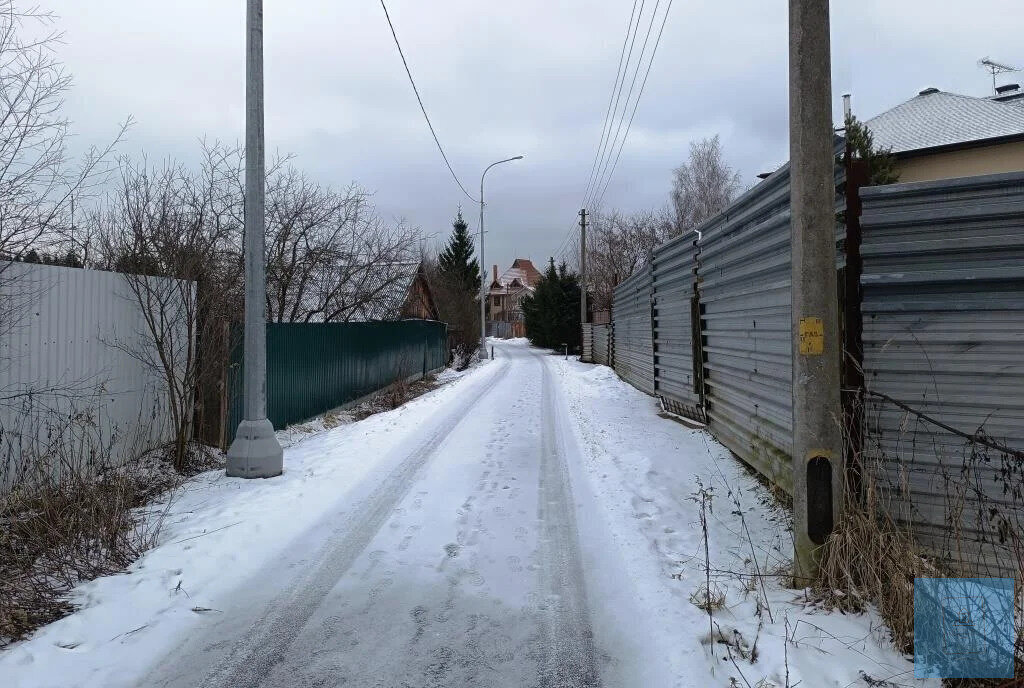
(818, 475)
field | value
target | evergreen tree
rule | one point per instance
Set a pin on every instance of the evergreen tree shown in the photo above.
(881, 163)
(71, 259)
(552, 313)
(456, 263)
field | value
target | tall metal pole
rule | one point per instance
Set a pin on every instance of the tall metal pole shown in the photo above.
(483, 276)
(818, 473)
(483, 265)
(255, 452)
(583, 266)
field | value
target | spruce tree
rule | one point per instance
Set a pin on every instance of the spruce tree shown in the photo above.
(552, 313)
(456, 262)
(881, 163)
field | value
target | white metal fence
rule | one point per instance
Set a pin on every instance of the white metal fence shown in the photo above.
(75, 392)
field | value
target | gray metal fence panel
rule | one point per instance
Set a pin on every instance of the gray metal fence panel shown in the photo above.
(634, 343)
(74, 367)
(602, 344)
(676, 373)
(588, 343)
(744, 283)
(943, 304)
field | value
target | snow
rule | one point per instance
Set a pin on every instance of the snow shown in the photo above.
(643, 472)
(532, 514)
(217, 532)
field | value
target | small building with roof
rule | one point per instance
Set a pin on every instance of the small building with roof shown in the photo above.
(941, 135)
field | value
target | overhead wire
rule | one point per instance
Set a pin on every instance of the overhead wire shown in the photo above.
(611, 96)
(608, 144)
(636, 104)
(632, 85)
(422, 107)
(610, 113)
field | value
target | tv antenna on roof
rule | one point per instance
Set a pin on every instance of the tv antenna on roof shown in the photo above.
(995, 68)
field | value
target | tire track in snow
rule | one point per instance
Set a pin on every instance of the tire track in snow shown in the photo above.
(266, 643)
(568, 655)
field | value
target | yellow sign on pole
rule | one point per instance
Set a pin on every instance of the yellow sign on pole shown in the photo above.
(812, 337)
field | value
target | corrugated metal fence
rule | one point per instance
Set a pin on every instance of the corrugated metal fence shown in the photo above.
(315, 367)
(505, 330)
(634, 337)
(677, 359)
(74, 375)
(943, 323)
(603, 341)
(943, 305)
(588, 343)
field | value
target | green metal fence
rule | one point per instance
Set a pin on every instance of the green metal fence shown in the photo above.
(315, 367)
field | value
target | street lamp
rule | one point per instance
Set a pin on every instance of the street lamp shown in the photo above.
(255, 451)
(483, 264)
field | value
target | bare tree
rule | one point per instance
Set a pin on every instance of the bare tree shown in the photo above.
(330, 257)
(38, 179)
(702, 186)
(619, 245)
(174, 234)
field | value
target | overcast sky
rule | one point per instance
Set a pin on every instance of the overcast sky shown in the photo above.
(529, 77)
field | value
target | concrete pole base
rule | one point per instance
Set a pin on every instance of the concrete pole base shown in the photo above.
(255, 453)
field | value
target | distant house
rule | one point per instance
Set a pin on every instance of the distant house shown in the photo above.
(402, 292)
(505, 295)
(940, 135)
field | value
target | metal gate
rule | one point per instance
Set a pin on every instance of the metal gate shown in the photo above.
(634, 341)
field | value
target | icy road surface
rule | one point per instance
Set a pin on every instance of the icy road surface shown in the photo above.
(534, 523)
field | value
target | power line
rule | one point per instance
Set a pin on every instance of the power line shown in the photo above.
(609, 115)
(608, 145)
(611, 97)
(632, 85)
(643, 84)
(422, 108)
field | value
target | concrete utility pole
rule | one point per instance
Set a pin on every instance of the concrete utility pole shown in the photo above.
(583, 266)
(818, 474)
(255, 452)
(483, 265)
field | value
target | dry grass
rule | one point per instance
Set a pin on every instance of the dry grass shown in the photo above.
(709, 598)
(867, 558)
(872, 558)
(57, 534)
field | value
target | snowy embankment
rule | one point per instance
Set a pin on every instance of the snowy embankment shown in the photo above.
(643, 477)
(216, 533)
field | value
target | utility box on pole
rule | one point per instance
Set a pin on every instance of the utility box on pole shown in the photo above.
(818, 474)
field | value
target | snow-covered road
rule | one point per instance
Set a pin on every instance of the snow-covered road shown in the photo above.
(531, 524)
(461, 568)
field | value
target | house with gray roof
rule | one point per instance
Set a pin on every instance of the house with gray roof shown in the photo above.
(941, 135)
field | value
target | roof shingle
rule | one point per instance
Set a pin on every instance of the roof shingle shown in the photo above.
(937, 118)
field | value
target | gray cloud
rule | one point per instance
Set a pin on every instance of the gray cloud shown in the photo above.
(500, 78)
